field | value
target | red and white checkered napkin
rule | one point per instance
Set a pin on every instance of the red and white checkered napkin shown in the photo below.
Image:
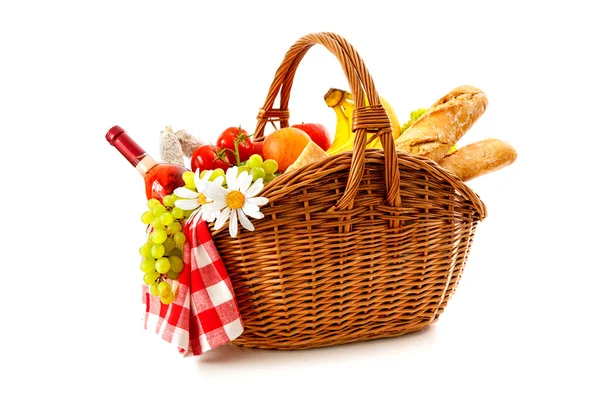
(204, 314)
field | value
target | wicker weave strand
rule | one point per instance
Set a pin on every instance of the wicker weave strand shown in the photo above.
(371, 118)
(273, 115)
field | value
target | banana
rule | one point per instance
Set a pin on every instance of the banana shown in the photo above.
(343, 129)
(343, 104)
(347, 103)
(392, 116)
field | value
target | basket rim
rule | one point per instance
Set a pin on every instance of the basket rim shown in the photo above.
(291, 180)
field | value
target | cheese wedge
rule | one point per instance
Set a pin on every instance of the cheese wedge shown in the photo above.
(311, 153)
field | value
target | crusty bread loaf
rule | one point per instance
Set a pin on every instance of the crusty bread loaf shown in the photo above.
(311, 153)
(479, 158)
(446, 121)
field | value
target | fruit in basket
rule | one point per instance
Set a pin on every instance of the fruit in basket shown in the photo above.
(162, 252)
(343, 128)
(317, 132)
(259, 169)
(270, 166)
(208, 157)
(342, 103)
(159, 236)
(257, 148)
(285, 145)
(254, 161)
(236, 144)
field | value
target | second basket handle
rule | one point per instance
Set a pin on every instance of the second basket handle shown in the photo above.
(372, 118)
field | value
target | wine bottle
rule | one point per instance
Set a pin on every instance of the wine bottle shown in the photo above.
(161, 179)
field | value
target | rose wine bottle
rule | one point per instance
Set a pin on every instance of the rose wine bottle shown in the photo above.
(161, 178)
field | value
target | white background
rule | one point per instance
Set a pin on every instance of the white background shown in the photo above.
(523, 322)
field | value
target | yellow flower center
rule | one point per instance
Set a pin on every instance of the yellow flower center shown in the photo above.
(202, 199)
(235, 199)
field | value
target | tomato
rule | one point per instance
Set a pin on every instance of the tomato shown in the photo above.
(208, 156)
(227, 140)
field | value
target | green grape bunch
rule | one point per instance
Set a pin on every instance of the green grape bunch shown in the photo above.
(258, 168)
(162, 253)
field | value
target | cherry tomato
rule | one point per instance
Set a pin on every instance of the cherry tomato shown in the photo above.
(208, 156)
(227, 140)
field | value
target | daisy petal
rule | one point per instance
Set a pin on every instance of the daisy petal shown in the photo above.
(207, 175)
(222, 218)
(204, 213)
(210, 216)
(249, 208)
(231, 176)
(191, 204)
(215, 191)
(259, 201)
(245, 221)
(244, 181)
(185, 193)
(198, 182)
(254, 189)
(219, 180)
(195, 216)
(233, 226)
(214, 206)
(255, 214)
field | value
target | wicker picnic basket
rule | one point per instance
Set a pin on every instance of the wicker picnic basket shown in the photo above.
(362, 245)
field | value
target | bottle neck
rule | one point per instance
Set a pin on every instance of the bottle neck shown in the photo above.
(145, 164)
(132, 152)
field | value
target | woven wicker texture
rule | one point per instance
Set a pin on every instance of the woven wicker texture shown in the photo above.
(361, 245)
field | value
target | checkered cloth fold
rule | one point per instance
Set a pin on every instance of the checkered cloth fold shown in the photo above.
(204, 314)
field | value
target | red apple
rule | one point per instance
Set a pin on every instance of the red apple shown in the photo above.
(284, 146)
(317, 132)
(258, 149)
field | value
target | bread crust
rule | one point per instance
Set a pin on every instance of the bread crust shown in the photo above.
(479, 158)
(445, 122)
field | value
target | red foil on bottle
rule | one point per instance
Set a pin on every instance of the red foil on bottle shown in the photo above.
(117, 137)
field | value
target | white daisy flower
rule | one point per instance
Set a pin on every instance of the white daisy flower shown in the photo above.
(235, 202)
(193, 199)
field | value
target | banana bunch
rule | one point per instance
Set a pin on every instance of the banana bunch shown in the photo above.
(343, 105)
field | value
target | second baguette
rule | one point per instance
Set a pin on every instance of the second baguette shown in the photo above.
(479, 158)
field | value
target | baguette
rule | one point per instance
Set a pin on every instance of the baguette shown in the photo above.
(479, 158)
(446, 121)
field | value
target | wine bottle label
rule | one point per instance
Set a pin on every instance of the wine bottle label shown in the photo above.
(145, 164)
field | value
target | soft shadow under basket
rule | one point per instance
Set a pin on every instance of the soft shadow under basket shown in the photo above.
(362, 245)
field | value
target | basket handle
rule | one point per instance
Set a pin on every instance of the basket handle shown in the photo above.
(372, 118)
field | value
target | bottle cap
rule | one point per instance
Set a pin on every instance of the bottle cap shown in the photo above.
(113, 133)
(117, 137)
